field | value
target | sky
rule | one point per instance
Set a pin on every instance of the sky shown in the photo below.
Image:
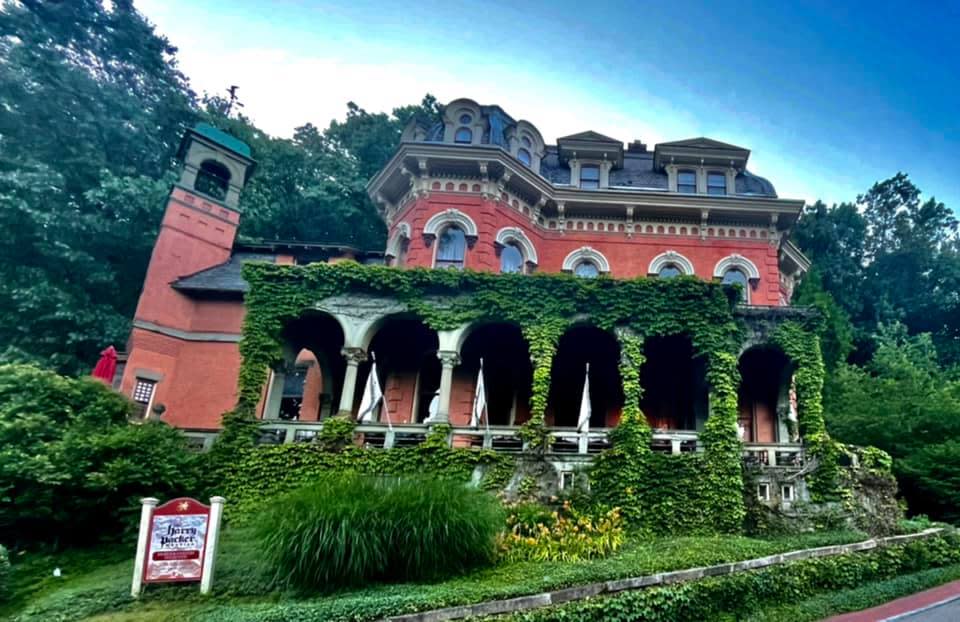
(830, 97)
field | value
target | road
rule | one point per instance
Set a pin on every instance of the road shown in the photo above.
(940, 604)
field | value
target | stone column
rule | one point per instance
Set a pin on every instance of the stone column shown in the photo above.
(354, 357)
(448, 360)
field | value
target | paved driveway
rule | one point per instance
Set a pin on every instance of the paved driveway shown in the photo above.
(900, 610)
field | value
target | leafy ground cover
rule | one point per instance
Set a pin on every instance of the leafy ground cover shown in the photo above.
(100, 591)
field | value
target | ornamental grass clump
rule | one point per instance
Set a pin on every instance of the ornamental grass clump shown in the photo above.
(350, 529)
(536, 534)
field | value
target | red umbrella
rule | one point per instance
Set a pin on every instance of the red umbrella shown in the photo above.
(106, 366)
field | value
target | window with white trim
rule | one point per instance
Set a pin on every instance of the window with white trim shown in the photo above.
(786, 492)
(590, 176)
(736, 276)
(669, 270)
(524, 156)
(464, 136)
(142, 396)
(511, 259)
(763, 492)
(586, 269)
(566, 480)
(716, 183)
(687, 181)
(451, 248)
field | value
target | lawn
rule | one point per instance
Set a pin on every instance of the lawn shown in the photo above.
(95, 584)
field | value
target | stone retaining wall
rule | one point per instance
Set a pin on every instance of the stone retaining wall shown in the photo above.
(556, 597)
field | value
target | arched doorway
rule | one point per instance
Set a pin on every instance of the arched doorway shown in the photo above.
(580, 345)
(507, 373)
(405, 350)
(764, 392)
(674, 384)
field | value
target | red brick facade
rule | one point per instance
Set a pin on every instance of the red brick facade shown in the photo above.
(188, 321)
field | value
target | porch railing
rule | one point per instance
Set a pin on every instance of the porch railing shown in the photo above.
(566, 440)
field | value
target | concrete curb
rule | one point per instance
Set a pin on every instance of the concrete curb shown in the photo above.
(564, 595)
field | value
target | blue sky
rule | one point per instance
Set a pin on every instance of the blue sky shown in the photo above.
(829, 96)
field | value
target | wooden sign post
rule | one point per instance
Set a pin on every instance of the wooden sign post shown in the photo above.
(177, 542)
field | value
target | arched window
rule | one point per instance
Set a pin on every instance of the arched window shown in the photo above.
(586, 269)
(524, 156)
(511, 259)
(451, 248)
(669, 270)
(736, 276)
(212, 179)
(464, 135)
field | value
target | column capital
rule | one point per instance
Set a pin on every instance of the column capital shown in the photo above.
(354, 355)
(448, 358)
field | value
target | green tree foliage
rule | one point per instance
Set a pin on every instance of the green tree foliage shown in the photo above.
(71, 467)
(92, 108)
(889, 257)
(904, 403)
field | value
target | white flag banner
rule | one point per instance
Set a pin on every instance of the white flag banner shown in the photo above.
(479, 400)
(583, 423)
(372, 397)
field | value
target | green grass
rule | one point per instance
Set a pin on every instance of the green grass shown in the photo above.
(863, 597)
(242, 588)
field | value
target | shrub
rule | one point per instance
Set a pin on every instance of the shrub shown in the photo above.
(71, 466)
(350, 529)
(566, 535)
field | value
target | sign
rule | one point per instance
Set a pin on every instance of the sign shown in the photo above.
(177, 542)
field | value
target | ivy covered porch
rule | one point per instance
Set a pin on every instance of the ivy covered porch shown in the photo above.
(534, 359)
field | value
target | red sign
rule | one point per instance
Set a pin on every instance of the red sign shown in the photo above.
(177, 541)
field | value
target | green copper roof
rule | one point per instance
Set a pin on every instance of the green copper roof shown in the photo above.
(222, 138)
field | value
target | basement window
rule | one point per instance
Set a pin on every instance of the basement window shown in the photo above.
(786, 492)
(763, 492)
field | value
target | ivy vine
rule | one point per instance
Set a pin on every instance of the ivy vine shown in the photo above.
(702, 491)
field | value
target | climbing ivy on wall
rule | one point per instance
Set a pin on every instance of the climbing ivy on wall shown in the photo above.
(801, 345)
(651, 488)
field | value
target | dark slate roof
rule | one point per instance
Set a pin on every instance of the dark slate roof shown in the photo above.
(638, 172)
(225, 277)
(748, 183)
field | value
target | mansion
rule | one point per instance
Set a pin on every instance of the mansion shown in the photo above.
(477, 190)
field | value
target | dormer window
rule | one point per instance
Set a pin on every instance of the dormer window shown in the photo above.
(464, 135)
(716, 183)
(466, 119)
(687, 182)
(589, 176)
(524, 156)
(527, 142)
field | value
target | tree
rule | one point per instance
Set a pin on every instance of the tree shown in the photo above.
(91, 110)
(71, 466)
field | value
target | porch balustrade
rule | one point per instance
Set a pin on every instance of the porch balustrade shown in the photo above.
(507, 439)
